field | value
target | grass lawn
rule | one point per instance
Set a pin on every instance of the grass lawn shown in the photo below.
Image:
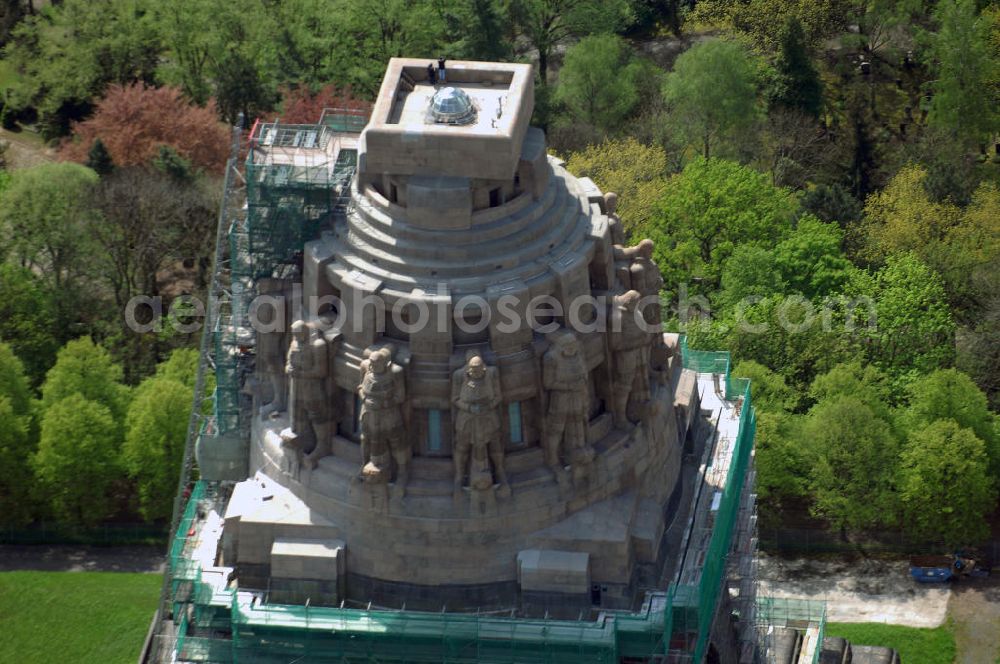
(915, 645)
(75, 616)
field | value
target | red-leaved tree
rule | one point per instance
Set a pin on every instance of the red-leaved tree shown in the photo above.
(134, 121)
(303, 106)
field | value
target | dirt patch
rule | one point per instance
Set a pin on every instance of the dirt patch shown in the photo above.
(974, 608)
(864, 590)
(23, 151)
(82, 558)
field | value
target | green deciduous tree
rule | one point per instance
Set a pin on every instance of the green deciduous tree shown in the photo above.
(155, 432)
(68, 54)
(634, 171)
(915, 331)
(16, 440)
(847, 440)
(712, 94)
(758, 18)
(86, 369)
(77, 461)
(852, 379)
(810, 260)
(26, 319)
(709, 209)
(945, 485)
(771, 394)
(966, 99)
(546, 23)
(44, 221)
(949, 394)
(599, 81)
(782, 458)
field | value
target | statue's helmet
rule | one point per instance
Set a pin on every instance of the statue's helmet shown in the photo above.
(610, 202)
(645, 248)
(380, 359)
(476, 365)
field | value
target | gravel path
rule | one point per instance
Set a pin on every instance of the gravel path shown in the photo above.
(975, 609)
(82, 558)
(857, 591)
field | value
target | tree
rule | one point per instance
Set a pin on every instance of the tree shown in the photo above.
(855, 455)
(958, 243)
(77, 459)
(482, 28)
(965, 97)
(44, 217)
(852, 379)
(27, 314)
(16, 440)
(303, 106)
(945, 486)
(712, 94)
(949, 394)
(831, 203)
(782, 458)
(181, 367)
(155, 433)
(83, 368)
(810, 260)
(902, 217)
(709, 209)
(771, 393)
(914, 331)
(547, 23)
(98, 158)
(758, 18)
(598, 81)
(796, 83)
(637, 173)
(68, 54)
(149, 219)
(133, 121)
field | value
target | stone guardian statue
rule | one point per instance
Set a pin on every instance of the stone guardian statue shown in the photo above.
(565, 379)
(630, 350)
(476, 396)
(306, 367)
(383, 439)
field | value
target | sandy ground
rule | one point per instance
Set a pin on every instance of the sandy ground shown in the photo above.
(857, 591)
(82, 558)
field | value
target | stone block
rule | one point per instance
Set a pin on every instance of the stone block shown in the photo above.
(544, 570)
(303, 558)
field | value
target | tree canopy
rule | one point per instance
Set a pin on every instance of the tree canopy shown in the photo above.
(712, 94)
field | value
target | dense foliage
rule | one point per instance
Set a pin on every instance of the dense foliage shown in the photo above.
(821, 179)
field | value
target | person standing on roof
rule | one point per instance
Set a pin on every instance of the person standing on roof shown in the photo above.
(431, 74)
(441, 69)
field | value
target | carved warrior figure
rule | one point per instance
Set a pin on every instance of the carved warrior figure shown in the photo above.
(614, 222)
(630, 347)
(271, 349)
(383, 440)
(475, 393)
(637, 271)
(564, 376)
(306, 367)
